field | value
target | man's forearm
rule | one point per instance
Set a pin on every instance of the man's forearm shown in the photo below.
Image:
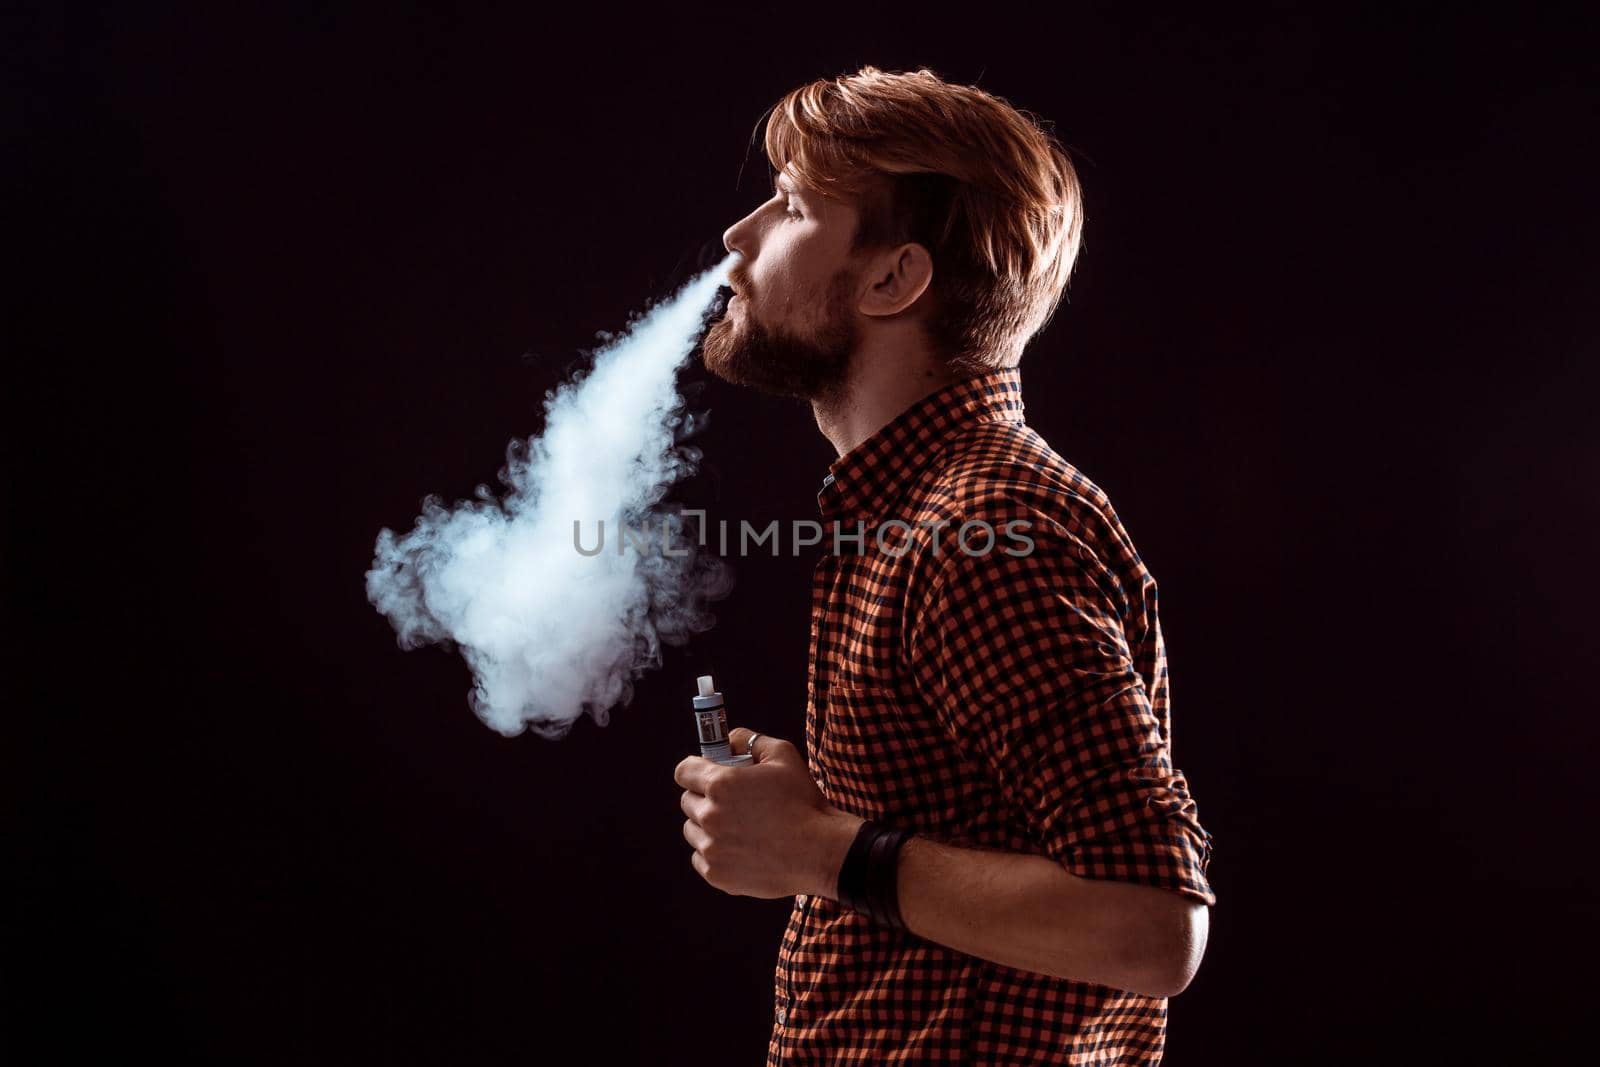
(1030, 913)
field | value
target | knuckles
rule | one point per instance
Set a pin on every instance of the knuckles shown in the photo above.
(708, 848)
(716, 787)
(704, 812)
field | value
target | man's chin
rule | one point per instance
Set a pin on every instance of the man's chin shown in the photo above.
(742, 374)
(772, 368)
(724, 357)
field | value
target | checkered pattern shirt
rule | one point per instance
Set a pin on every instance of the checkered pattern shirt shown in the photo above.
(1011, 698)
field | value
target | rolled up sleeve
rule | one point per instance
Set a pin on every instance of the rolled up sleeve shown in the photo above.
(1025, 660)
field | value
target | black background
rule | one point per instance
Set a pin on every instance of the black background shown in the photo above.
(1330, 349)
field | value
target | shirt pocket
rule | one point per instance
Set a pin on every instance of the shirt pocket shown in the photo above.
(856, 741)
(860, 748)
(882, 756)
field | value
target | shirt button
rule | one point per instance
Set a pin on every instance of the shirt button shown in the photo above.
(783, 1014)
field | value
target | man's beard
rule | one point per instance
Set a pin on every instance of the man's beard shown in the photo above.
(781, 363)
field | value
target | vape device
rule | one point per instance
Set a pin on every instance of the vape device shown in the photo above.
(711, 719)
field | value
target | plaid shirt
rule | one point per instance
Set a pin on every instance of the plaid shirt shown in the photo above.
(1012, 699)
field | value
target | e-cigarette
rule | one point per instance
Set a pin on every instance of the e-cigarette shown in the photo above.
(711, 719)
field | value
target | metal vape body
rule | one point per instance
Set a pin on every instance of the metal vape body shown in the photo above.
(711, 720)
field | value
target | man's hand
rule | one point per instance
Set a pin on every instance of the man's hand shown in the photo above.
(762, 830)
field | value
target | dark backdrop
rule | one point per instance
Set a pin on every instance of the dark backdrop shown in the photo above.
(1330, 349)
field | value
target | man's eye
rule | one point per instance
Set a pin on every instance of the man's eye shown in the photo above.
(792, 213)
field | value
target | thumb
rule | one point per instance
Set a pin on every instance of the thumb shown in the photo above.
(767, 747)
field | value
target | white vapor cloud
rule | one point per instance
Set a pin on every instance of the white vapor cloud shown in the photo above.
(551, 633)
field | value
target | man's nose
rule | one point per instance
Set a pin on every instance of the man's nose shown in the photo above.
(730, 239)
(738, 237)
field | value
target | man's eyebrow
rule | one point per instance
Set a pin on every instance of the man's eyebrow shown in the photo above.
(781, 182)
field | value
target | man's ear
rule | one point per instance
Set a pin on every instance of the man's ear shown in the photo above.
(897, 279)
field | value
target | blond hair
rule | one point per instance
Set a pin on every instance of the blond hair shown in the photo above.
(983, 186)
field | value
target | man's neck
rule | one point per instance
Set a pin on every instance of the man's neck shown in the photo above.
(881, 385)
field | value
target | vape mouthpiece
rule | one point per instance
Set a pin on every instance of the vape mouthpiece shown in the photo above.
(711, 720)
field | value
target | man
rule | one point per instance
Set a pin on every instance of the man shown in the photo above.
(992, 856)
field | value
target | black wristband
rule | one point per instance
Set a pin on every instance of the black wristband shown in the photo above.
(867, 880)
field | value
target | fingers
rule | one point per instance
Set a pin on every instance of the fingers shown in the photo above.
(741, 736)
(700, 841)
(694, 805)
(696, 773)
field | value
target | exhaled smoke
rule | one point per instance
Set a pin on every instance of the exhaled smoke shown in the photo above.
(549, 631)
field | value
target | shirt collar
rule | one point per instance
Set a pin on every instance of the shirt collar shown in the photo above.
(867, 481)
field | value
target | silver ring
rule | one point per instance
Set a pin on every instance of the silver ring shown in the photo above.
(750, 748)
